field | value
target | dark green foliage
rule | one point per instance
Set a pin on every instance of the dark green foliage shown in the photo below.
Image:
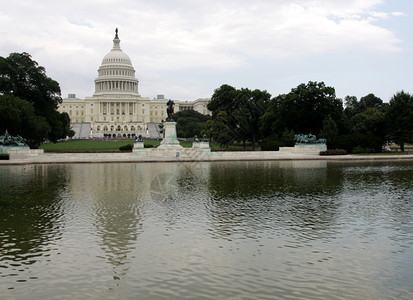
(287, 138)
(350, 141)
(360, 150)
(19, 118)
(220, 131)
(126, 147)
(243, 109)
(334, 152)
(71, 133)
(302, 110)
(399, 119)
(329, 131)
(271, 144)
(4, 156)
(23, 78)
(190, 123)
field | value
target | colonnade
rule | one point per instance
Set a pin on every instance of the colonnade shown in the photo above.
(117, 108)
(116, 85)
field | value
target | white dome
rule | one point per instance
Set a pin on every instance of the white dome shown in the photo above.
(116, 56)
(116, 75)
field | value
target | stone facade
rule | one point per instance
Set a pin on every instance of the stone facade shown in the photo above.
(116, 107)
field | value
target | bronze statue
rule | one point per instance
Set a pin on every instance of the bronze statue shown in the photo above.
(170, 109)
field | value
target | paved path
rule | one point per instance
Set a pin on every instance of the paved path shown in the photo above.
(182, 156)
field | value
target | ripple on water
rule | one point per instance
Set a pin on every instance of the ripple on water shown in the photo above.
(223, 231)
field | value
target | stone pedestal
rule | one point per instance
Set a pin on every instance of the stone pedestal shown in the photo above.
(200, 145)
(138, 145)
(170, 141)
(304, 149)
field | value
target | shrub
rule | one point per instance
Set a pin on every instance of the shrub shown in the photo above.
(350, 142)
(4, 156)
(334, 152)
(271, 144)
(359, 150)
(126, 147)
(147, 145)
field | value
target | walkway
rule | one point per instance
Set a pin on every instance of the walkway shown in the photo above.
(182, 155)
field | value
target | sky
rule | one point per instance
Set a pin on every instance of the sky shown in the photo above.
(185, 49)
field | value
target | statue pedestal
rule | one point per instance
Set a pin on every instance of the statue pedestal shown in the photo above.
(138, 145)
(170, 141)
(200, 145)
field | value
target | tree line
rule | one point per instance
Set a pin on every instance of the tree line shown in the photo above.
(29, 101)
(364, 125)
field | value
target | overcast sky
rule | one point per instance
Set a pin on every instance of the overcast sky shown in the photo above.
(185, 49)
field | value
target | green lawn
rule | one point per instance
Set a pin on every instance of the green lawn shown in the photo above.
(392, 153)
(113, 145)
(97, 146)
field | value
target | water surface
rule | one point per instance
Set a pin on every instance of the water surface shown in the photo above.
(220, 230)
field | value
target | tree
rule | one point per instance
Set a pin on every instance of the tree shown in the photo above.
(22, 77)
(219, 129)
(329, 131)
(243, 109)
(399, 119)
(252, 105)
(190, 123)
(302, 110)
(19, 118)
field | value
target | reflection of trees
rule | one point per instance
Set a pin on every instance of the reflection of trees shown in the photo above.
(380, 193)
(258, 196)
(31, 212)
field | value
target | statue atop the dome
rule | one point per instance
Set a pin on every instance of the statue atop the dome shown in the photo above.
(170, 109)
(116, 33)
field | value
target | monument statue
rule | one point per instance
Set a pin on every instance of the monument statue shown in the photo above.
(170, 109)
(12, 141)
(138, 138)
(308, 139)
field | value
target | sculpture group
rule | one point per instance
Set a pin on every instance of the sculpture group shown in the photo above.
(12, 141)
(308, 139)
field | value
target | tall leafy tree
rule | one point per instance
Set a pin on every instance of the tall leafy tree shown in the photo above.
(19, 118)
(243, 109)
(22, 77)
(190, 123)
(252, 105)
(302, 110)
(219, 129)
(399, 119)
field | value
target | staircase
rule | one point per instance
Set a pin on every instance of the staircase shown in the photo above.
(82, 130)
(153, 130)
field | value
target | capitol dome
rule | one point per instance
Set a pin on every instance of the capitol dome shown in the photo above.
(116, 75)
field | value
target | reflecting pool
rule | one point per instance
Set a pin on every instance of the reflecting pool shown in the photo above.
(217, 230)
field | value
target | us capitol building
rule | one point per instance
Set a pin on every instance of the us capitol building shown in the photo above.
(116, 107)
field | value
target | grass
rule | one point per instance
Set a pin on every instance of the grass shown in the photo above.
(113, 145)
(97, 145)
(386, 153)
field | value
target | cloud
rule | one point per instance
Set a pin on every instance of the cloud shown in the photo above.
(71, 37)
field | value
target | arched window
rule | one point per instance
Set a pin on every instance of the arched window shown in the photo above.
(119, 128)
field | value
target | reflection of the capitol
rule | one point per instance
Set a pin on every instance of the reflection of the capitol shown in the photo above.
(119, 193)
